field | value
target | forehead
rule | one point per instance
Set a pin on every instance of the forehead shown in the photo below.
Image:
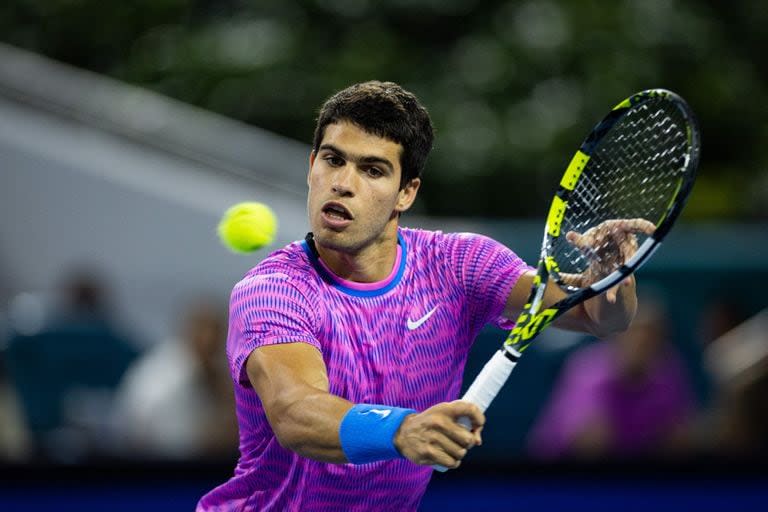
(358, 143)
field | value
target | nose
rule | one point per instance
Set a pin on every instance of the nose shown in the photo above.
(343, 181)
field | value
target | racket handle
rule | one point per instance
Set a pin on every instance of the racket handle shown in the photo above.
(485, 387)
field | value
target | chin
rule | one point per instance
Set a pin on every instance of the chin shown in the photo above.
(339, 241)
(334, 240)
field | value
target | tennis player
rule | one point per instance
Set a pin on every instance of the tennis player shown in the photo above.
(347, 348)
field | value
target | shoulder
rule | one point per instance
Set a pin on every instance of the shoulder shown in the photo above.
(424, 247)
(416, 238)
(453, 245)
(471, 252)
(423, 240)
(285, 268)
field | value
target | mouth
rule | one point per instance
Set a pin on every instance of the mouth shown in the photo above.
(336, 211)
(336, 215)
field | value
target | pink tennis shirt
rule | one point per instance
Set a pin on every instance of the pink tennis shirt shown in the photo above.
(401, 342)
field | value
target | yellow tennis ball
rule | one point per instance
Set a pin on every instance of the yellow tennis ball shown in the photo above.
(247, 227)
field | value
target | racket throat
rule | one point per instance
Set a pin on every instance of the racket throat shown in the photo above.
(527, 327)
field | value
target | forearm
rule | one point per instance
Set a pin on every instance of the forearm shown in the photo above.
(309, 424)
(306, 418)
(607, 318)
(329, 429)
(292, 383)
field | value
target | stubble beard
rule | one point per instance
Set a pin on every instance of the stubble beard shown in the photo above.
(350, 243)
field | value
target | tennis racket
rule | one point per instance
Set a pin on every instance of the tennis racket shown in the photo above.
(637, 168)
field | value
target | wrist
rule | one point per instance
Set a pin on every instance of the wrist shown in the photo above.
(367, 432)
(397, 440)
(610, 317)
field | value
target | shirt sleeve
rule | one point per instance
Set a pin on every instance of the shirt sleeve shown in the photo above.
(267, 309)
(487, 271)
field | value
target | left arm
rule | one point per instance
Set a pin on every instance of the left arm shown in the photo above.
(602, 316)
(608, 313)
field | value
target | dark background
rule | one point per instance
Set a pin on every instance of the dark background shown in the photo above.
(513, 87)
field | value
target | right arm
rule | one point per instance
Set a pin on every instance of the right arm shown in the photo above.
(292, 383)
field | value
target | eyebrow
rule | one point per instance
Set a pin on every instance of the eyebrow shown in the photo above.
(368, 159)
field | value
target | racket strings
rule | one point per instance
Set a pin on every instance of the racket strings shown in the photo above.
(633, 172)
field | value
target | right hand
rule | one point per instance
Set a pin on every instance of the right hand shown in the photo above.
(434, 437)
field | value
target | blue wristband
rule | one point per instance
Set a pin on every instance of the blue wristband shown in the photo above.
(367, 432)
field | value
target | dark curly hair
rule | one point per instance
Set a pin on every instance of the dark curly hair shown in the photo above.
(386, 110)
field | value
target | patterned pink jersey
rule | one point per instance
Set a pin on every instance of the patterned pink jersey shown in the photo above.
(401, 342)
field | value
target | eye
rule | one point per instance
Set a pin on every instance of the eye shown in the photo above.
(374, 172)
(334, 160)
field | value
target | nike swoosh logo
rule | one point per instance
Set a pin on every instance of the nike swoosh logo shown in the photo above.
(380, 412)
(415, 325)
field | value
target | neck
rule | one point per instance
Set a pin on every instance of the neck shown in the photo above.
(370, 264)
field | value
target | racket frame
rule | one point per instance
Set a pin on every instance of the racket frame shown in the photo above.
(533, 320)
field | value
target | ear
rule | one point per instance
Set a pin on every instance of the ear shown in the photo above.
(407, 195)
(312, 156)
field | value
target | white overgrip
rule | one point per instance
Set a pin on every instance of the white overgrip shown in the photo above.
(490, 380)
(485, 387)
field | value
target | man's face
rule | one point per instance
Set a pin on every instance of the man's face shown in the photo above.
(354, 188)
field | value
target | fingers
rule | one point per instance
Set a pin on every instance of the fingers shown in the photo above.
(471, 420)
(572, 279)
(436, 435)
(607, 246)
(627, 245)
(614, 226)
(611, 241)
(624, 236)
(589, 243)
(447, 452)
(578, 240)
(478, 436)
(465, 432)
(635, 226)
(461, 408)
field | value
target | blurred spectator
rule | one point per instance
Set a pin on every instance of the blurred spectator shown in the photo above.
(738, 363)
(720, 315)
(63, 364)
(14, 439)
(177, 400)
(743, 427)
(619, 398)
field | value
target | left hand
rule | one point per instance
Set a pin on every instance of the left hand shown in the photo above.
(607, 246)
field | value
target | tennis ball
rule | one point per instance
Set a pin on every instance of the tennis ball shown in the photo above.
(247, 227)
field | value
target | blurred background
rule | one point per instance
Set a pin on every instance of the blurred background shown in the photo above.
(127, 128)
